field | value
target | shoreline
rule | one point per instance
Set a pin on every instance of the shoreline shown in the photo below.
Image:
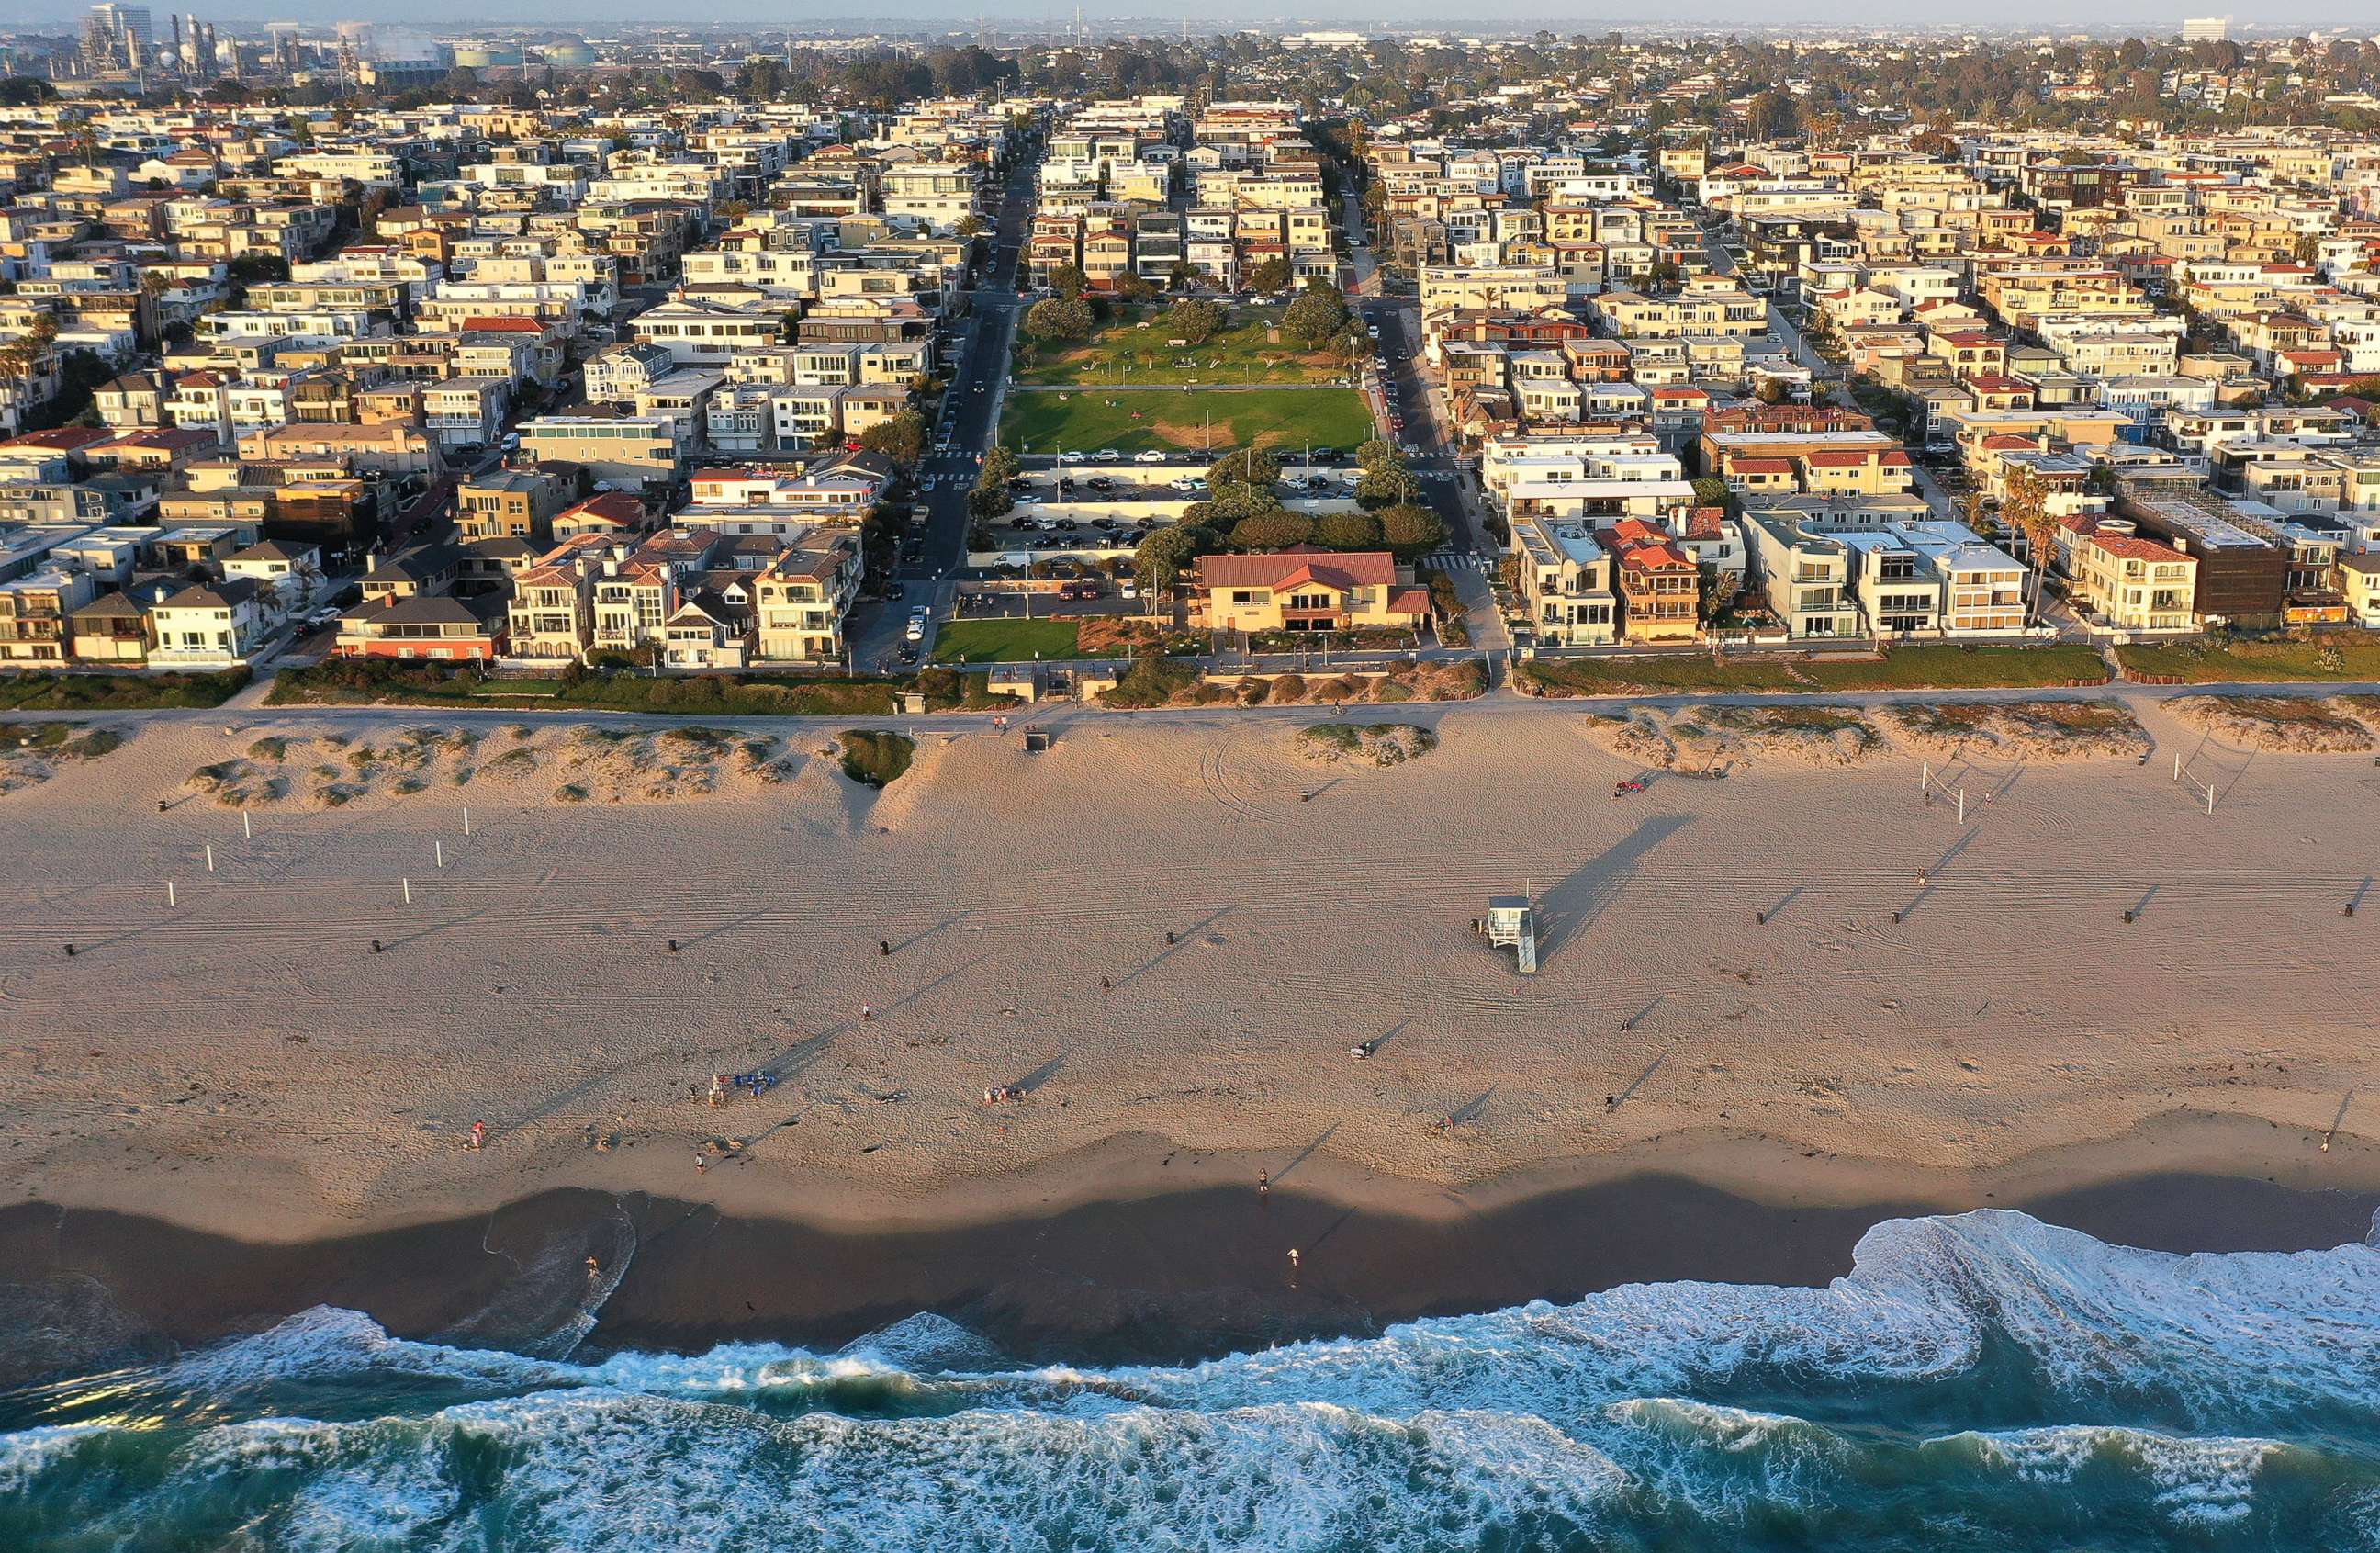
(1176, 1273)
(248, 1201)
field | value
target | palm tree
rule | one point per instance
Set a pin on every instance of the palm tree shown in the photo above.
(2025, 508)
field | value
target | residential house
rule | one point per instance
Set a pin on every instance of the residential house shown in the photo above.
(1660, 587)
(1305, 588)
(208, 626)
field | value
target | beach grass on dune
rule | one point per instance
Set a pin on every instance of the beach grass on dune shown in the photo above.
(1006, 642)
(1048, 421)
(2339, 656)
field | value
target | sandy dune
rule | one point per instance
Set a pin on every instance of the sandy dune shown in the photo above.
(244, 1061)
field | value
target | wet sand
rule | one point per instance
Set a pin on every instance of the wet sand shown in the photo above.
(1162, 1278)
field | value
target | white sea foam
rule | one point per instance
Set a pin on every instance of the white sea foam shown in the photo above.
(2220, 1332)
(2204, 1481)
(26, 1455)
(584, 1475)
(2216, 1335)
(325, 1341)
(1722, 1462)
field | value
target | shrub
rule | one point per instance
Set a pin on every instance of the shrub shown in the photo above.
(876, 759)
(1150, 682)
(92, 745)
(1289, 687)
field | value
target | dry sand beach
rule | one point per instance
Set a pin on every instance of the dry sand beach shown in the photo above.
(242, 1061)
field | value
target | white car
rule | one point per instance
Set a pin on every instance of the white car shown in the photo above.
(916, 631)
(1027, 500)
(1149, 456)
(1110, 453)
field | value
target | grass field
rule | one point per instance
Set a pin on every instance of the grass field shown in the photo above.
(2339, 655)
(1124, 353)
(1044, 420)
(1942, 666)
(1006, 642)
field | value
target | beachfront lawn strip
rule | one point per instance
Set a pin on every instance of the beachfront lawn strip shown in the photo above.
(1174, 420)
(354, 683)
(1241, 353)
(127, 692)
(2338, 657)
(1007, 641)
(1932, 667)
(1948, 666)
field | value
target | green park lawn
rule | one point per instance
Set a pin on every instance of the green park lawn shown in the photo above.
(1125, 353)
(1045, 420)
(1006, 642)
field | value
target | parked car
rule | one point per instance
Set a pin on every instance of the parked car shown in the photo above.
(1185, 485)
(1028, 500)
(1128, 590)
(1149, 455)
(1102, 482)
(1066, 482)
(1326, 456)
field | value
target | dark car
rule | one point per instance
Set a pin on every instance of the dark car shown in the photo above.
(908, 655)
(1327, 456)
(895, 592)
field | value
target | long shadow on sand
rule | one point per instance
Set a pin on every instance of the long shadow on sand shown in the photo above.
(1572, 906)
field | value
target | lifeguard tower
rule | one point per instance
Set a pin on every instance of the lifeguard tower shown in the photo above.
(1509, 922)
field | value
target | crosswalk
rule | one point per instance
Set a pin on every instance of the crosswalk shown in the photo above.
(1455, 561)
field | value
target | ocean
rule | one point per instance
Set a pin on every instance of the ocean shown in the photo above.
(1979, 1381)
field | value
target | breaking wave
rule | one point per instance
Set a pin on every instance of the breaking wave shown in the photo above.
(2025, 1384)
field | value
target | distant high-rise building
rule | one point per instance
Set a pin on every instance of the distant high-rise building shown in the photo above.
(2205, 29)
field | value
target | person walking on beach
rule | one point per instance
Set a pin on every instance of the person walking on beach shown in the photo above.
(718, 1087)
(866, 1013)
(478, 1136)
(700, 1163)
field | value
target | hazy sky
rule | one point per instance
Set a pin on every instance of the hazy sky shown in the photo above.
(2150, 18)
